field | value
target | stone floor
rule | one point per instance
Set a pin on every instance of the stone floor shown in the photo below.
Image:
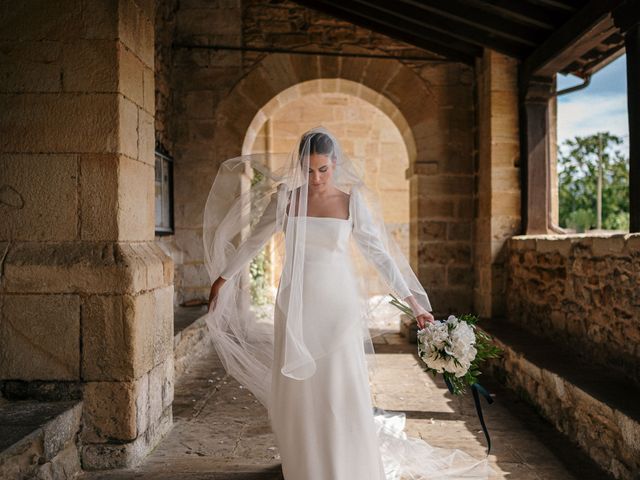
(221, 432)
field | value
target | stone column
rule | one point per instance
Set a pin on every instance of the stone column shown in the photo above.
(626, 19)
(536, 95)
(554, 199)
(499, 189)
(632, 44)
(86, 295)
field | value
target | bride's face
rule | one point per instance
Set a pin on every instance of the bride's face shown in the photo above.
(320, 172)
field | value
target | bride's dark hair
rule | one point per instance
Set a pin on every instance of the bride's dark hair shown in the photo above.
(319, 143)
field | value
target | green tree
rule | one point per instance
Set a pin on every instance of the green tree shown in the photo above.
(578, 169)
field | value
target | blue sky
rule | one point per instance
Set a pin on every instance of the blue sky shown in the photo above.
(602, 106)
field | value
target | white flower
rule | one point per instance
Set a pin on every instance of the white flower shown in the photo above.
(440, 348)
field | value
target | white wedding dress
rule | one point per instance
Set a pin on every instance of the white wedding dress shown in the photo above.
(324, 425)
(309, 363)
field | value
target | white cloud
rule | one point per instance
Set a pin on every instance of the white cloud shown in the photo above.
(586, 114)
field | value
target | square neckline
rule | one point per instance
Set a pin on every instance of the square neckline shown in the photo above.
(348, 219)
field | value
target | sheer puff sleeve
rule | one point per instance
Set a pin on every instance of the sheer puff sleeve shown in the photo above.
(260, 235)
(371, 240)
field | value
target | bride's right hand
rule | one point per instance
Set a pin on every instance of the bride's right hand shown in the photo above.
(421, 315)
(213, 293)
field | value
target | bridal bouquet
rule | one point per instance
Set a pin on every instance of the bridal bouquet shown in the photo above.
(453, 347)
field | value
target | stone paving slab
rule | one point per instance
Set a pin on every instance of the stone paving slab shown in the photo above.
(221, 431)
(523, 445)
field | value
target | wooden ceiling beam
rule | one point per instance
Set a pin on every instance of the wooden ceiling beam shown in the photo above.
(436, 23)
(482, 19)
(522, 12)
(592, 24)
(542, 33)
(586, 67)
(570, 6)
(444, 45)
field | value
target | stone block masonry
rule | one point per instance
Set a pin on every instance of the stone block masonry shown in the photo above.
(590, 405)
(86, 295)
(582, 291)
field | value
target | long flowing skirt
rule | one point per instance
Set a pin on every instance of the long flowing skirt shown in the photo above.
(324, 425)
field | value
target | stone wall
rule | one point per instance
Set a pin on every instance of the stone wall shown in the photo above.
(582, 291)
(591, 407)
(218, 93)
(85, 293)
(294, 26)
(165, 27)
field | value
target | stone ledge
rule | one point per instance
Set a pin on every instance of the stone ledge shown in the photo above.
(107, 456)
(408, 328)
(588, 404)
(601, 243)
(41, 390)
(84, 267)
(190, 341)
(37, 439)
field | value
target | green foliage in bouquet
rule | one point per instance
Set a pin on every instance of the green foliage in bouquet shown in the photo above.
(485, 349)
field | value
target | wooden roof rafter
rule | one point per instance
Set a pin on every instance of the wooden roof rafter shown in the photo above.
(441, 44)
(483, 19)
(433, 20)
(548, 36)
(580, 35)
(522, 12)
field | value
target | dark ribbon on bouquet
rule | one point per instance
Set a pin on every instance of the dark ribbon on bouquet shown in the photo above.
(475, 388)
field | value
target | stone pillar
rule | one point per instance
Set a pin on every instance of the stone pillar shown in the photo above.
(499, 190)
(86, 295)
(554, 200)
(200, 80)
(632, 44)
(626, 19)
(536, 95)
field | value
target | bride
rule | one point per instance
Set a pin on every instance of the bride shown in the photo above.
(308, 363)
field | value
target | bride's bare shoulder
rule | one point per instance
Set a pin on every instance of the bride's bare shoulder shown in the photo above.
(344, 196)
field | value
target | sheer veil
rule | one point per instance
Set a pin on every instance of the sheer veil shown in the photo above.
(252, 202)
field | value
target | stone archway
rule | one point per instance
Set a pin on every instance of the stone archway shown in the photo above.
(331, 85)
(415, 106)
(383, 83)
(427, 110)
(369, 127)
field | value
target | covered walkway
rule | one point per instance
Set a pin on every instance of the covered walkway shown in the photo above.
(221, 432)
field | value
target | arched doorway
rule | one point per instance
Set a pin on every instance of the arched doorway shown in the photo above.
(362, 120)
(436, 135)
